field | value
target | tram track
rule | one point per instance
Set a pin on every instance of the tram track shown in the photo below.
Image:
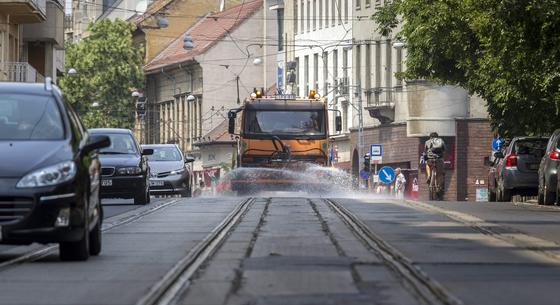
(108, 224)
(172, 285)
(412, 277)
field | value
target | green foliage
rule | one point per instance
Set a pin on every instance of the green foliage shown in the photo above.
(108, 65)
(505, 51)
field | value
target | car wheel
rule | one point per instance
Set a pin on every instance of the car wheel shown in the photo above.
(540, 197)
(142, 198)
(491, 196)
(506, 195)
(95, 237)
(76, 250)
(548, 197)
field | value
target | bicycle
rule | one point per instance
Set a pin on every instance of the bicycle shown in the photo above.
(436, 186)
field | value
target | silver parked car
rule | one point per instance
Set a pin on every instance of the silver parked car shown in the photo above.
(516, 168)
(170, 173)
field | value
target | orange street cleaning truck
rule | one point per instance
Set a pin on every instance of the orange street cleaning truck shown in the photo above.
(283, 143)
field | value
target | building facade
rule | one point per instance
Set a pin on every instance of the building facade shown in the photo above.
(400, 114)
(189, 92)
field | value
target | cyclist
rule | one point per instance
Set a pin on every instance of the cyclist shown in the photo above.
(434, 150)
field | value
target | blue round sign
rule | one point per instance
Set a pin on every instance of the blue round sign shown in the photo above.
(497, 144)
(364, 174)
(386, 175)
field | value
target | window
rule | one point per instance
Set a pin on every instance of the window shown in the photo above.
(306, 74)
(29, 117)
(327, 13)
(308, 17)
(368, 73)
(316, 72)
(314, 15)
(335, 65)
(296, 89)
(346, 9)
(333, 12)
(325, 73)
(388, 66)
(280, 27)
(165, 153)
(377, 64)
(358, 4)
(399, 66)
(345, 62)
(304, 122)
(320, 14)
(121, 144)
(368, 3)
(358, 65)
(302, 17)
(296, 16)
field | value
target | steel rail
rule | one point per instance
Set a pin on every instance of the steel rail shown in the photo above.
(178, 279)
(42, 252)
(426, 288)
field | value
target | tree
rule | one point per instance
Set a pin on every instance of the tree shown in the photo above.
(108, 66)
(505, 51)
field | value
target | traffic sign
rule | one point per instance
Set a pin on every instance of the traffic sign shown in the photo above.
(386, 175)
(376, 153)
(497, 144)
(364, 174)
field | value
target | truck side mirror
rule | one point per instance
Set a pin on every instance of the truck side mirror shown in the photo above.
(231, 126)
(338, 123)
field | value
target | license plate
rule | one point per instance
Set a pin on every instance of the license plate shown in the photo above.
(106, 182)
(156, 183)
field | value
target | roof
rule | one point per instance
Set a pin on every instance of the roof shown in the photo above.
(26, 88)
(152, 9)
(205, 34)
(109, 130)
(218, 135)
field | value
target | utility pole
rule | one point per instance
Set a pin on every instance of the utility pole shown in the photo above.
(360, 121)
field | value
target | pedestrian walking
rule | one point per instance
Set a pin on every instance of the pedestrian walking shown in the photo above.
(400, 184)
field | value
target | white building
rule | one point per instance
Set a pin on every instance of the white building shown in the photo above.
(319, 40)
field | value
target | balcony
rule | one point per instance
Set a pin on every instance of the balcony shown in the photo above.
(380, 105)
(25, 11)
(21, 72)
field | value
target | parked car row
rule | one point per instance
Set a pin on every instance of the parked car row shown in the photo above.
(54, 171)
(526, 166)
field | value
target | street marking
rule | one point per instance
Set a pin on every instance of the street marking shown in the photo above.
(518, 238)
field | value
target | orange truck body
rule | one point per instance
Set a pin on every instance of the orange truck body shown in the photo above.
(273, 156)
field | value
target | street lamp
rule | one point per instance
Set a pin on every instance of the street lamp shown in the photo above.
(136, 94)
(191, 98)
(72, 72)
(257, 61)
(188, 42)
(95, 104)
(162, 21)
(398, 44)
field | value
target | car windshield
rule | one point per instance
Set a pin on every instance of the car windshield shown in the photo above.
(165, 154)
(28, 117)
(120, 144)
(285, 122)
(535, 147)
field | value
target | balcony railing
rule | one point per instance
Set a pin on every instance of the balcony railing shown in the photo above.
(22, 72)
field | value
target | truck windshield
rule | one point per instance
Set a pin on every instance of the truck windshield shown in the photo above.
(305, 122)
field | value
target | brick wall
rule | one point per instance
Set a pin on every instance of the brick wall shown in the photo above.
(474, 142)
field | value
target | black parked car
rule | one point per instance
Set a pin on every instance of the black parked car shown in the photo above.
(515, 170)
(548, 184)
(124, 167)
(49, 172)
(169, 172)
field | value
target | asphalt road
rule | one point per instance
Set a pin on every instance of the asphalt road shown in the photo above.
(296, 250)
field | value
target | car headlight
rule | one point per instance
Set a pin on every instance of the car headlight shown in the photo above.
(124, 171)
(51, 175)
(177, 171)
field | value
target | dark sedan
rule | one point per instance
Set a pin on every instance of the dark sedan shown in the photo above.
(124, 166)
(170, 174)
(49, 172)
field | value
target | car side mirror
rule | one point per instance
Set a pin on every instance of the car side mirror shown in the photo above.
(96, 142)
(147, 152)
(338, 123)
(189, 159)
(231, 126)
(498, 155)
